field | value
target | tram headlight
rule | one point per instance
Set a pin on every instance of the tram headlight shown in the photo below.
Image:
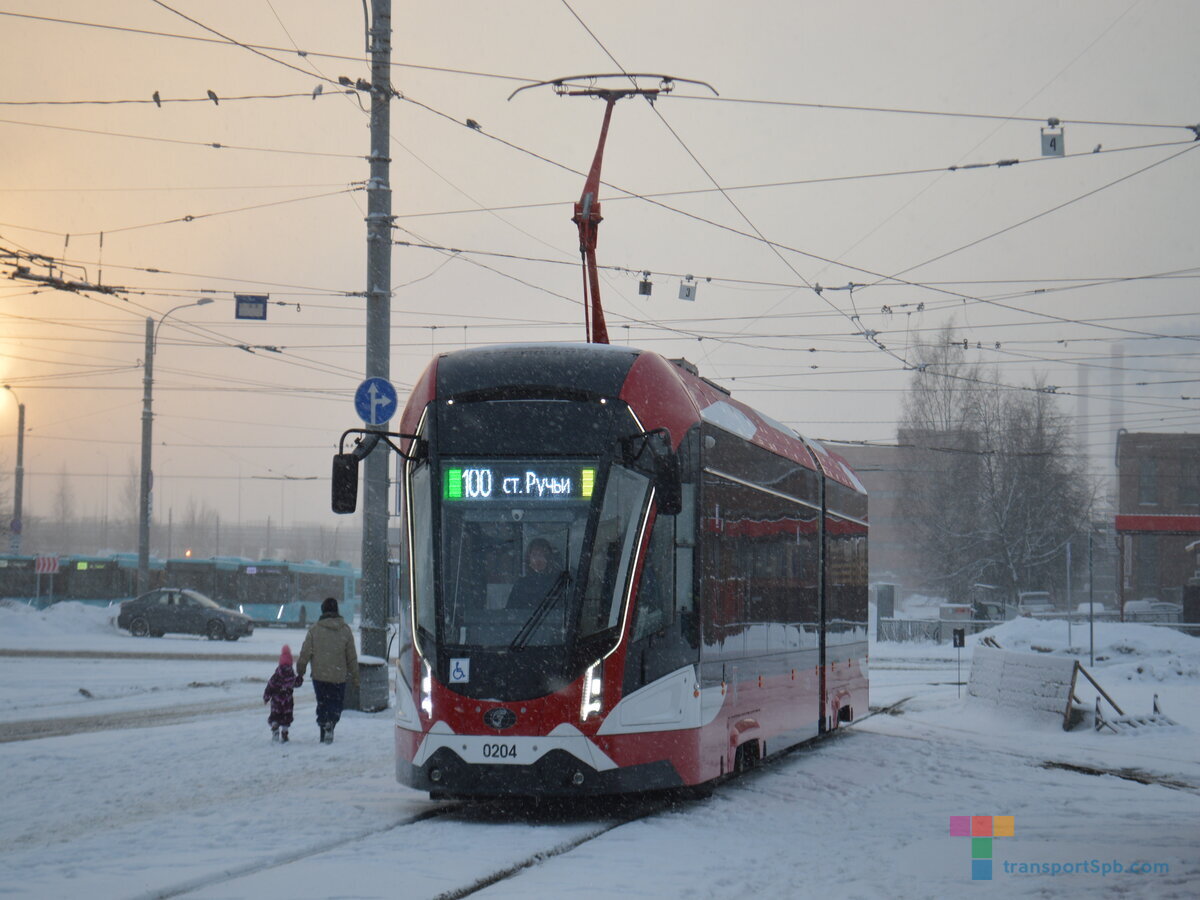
(426, 689)
(593, 688)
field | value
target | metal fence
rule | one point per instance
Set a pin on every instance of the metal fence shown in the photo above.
(941, 631)
(901, 630)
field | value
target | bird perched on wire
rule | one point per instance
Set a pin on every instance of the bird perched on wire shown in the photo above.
(213, 98)
(471, 123)
(157, 100)
(317, 91)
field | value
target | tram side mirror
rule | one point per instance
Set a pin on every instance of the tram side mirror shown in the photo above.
(345, 483)
(667, 478)
(667, 484)
(418, 450)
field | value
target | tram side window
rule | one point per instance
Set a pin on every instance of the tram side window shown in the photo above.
(722, 583)
(656, 591)
(663, 638)
(846, 573)
(759, 582)
(616, 533)
(421, 543)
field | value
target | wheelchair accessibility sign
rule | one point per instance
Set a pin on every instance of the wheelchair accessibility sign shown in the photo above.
(460, 671)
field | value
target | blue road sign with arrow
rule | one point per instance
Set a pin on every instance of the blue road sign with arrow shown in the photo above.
(375, 401)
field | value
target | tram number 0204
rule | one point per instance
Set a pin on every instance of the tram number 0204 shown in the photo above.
(500, 751)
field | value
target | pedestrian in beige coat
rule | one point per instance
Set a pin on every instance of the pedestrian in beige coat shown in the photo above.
(329, 646)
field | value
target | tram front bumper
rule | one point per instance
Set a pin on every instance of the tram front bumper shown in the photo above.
(556, 773)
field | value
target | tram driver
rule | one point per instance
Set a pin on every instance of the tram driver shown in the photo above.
(541, 574)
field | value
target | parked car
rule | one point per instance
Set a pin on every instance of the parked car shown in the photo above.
(1030, 603)
(182, 611)
(989, 611)
(1151, 610)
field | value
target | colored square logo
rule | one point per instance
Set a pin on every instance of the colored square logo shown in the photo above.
(982, 830)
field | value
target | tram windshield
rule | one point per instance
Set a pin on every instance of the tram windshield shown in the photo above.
(535, 553)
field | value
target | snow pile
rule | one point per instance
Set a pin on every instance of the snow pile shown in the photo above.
(1122, 649)
(1173, 668)
(68, 617)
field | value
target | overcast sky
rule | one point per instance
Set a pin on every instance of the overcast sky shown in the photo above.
(832, 174)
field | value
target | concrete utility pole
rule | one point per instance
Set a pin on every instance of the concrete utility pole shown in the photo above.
(379, 320)
(147, 479)
(14, 545)
(143, 573)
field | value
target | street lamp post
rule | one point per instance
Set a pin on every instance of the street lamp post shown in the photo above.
(19, 480)
(143, 573)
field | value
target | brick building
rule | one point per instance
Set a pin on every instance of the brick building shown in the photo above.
(892, 557)
(1158, 513)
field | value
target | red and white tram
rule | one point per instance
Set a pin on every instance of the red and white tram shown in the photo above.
(619, 578)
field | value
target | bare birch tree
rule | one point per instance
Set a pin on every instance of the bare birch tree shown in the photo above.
(992, 480)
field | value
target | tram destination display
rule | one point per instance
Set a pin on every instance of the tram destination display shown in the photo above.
(523, 481)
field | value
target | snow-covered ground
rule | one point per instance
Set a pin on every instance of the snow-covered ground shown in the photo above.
(204, 805)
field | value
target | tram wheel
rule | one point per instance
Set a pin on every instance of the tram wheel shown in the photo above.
(746, 757)
(139, 627)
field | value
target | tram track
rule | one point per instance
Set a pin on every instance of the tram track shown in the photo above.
(535, 859)
(1128, 774)
(644, 808)
(613, 815)
(743, 781)
(212, 879)
(626, 811)
(458, 812)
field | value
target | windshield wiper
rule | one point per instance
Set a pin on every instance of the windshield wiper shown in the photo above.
(541, 611)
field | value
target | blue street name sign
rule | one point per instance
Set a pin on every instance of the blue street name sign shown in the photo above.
(250, 306)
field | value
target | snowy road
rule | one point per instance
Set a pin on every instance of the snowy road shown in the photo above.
(207, 807)
(33, 729)
(862, 815)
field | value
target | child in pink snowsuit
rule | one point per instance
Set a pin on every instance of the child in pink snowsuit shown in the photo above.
(279, 694)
